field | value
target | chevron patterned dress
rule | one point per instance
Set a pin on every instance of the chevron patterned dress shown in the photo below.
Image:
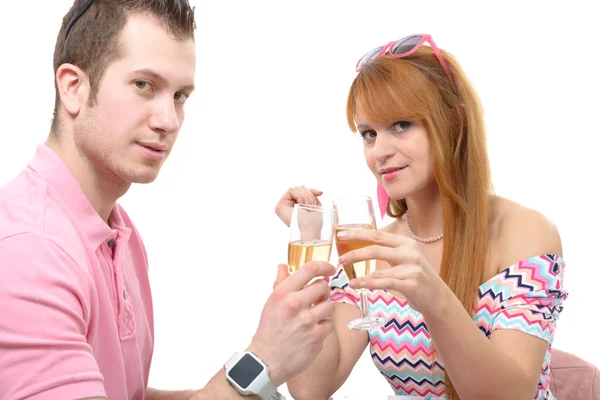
(527, 296)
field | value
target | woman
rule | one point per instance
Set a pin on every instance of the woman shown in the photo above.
(470, 283)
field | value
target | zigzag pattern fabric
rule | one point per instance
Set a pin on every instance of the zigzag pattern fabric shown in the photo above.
(527, 296)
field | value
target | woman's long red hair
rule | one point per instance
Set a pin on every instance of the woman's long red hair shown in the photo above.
(416, 87)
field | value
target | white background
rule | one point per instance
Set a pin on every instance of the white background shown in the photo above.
(269, 113)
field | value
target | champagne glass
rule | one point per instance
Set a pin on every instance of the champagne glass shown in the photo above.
(351, 214)
(311, 235)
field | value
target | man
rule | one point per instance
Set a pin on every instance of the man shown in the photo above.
(75, 304)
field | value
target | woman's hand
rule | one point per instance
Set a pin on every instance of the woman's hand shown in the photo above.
(410, 274)
(298, 194)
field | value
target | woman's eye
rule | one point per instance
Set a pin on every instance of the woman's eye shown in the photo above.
(401, 126)
(368, 135)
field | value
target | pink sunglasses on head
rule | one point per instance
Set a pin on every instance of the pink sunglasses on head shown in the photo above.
(398, 49)
(402, 48)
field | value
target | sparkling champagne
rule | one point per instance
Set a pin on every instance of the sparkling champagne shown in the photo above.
(301, 252)
(361, 268)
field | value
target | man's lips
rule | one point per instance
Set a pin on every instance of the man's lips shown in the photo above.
(154, 150)
(154, 146)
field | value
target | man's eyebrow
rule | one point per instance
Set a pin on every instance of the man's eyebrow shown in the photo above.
(157, 77)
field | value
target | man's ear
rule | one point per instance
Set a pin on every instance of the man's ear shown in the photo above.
(72, 87)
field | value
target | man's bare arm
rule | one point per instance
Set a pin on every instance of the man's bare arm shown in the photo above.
(218, 388)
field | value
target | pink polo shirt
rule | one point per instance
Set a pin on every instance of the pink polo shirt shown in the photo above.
(75, 303)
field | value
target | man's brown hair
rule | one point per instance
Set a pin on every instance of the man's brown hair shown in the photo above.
(93, 43)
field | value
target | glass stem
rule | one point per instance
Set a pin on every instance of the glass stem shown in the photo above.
(364, 303)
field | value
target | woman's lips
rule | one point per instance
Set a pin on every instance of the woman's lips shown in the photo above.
(391, 173)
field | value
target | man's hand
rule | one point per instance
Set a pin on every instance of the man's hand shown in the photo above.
(294, 321)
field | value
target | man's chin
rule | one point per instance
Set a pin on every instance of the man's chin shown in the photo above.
(145, 179)
(142, 178)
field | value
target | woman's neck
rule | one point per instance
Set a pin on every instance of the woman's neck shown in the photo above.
(426, 213)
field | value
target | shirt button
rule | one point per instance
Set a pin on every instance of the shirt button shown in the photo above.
(111, 243)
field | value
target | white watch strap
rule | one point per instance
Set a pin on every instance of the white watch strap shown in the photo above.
(269, 392)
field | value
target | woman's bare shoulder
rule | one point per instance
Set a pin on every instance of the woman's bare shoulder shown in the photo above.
(518, 232)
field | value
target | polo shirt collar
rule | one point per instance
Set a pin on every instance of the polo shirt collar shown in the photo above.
(52, 169)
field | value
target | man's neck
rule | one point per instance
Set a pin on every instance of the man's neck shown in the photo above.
(101, 187)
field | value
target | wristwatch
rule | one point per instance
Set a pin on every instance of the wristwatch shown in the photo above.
(249, 375)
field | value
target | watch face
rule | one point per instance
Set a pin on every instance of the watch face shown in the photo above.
(245, 371)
